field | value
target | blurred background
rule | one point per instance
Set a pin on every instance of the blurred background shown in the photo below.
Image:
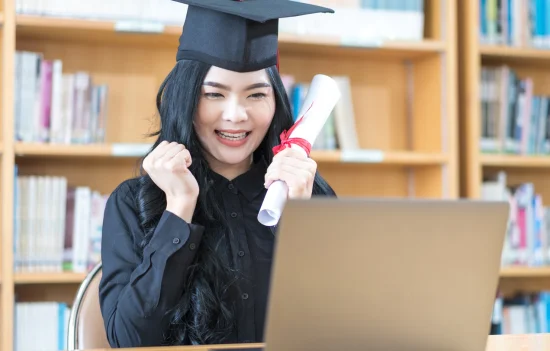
(441, 99)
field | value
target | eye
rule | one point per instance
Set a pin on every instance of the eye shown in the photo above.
(258, 96)
(213, 95)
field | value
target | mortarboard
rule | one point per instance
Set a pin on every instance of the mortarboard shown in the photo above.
(238, 35)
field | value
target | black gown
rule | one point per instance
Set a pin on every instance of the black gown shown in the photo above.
(135, 293)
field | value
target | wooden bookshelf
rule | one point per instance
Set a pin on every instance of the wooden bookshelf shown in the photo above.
(525, 272)
(7, 48)
(405, 105)
(95, 150)
(516, 280)
(474, 164)
(117, 33)
(106, 150)
(473, 55)
(48, 278)
(525, 54)
(515, 161)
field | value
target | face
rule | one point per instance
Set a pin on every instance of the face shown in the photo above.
(234, 113)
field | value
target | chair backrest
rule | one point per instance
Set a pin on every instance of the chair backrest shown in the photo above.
(86, 328)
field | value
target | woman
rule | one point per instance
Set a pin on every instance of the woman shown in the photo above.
(185, 260)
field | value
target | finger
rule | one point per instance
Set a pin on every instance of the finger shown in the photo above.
(184, 155)
(298, 168)
(151, 157)
(180, 162)
(287, 156)
(172, 150)
(306, 164)
(297, 186)
(160, 149)
(293, 156)
(157, 152)
(292, 152)
(298, 177)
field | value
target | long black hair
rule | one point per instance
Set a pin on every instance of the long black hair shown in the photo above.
(203, 315)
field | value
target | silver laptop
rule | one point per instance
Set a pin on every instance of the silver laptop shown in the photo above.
(356, 274)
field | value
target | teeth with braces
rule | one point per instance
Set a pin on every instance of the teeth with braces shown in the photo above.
(232, 136)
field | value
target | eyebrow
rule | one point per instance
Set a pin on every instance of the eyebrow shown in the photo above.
(225, 87)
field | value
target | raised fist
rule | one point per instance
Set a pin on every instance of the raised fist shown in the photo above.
(167, 165)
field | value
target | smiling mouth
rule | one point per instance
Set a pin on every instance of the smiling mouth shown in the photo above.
(232, 136)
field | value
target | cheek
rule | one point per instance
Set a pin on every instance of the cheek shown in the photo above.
(201, 130)
(205, 118)
(264, 115)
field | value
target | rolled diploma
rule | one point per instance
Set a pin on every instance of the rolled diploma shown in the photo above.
(322, 96)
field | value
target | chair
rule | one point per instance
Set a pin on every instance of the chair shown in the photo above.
(86, 328)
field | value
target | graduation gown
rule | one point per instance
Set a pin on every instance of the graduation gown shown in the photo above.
(136, 293)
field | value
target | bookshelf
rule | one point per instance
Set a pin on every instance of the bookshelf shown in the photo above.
(7, 47)
(487, 58)
(404, 97)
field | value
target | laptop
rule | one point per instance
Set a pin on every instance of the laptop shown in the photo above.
(399, 275)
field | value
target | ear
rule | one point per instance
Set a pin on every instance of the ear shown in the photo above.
(278, 59)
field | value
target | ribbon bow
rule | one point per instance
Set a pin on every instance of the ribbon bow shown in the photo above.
(287, 142)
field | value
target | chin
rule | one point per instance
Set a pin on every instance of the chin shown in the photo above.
(229, 155)
(233, 157)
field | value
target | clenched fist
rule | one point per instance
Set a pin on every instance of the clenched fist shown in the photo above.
(167, 165)
(296, 170)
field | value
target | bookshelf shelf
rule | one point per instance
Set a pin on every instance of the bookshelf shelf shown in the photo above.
(108, 32)
(520, 280)
(35, 149)
(515, 161)
(525, 272)
(76, 278)
(111, 151)
(48, 278)
(395, 158)
(404, 50)
(515, 54)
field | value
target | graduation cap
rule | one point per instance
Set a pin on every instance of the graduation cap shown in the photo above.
(238, 35)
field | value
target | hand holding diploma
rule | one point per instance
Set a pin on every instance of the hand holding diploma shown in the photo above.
(322, 96)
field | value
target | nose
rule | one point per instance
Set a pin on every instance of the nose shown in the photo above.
(234, 111)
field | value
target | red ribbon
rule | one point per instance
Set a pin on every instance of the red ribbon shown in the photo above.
(287, 142)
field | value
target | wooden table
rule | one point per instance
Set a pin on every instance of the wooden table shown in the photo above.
(529, 342)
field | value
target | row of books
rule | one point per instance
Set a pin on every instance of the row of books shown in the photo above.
(57, 225)
(362, 22)
(387, 19)
(164, 11)
(47, 322)
(40, 326)
(53, 106)
(522, 314)
(339, 131)
(513, 118)
(527, 241)
(515, 22)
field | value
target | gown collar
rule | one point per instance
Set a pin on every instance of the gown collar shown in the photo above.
(250, 184)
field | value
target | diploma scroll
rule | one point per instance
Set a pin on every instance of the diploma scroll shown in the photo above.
(322, 96)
